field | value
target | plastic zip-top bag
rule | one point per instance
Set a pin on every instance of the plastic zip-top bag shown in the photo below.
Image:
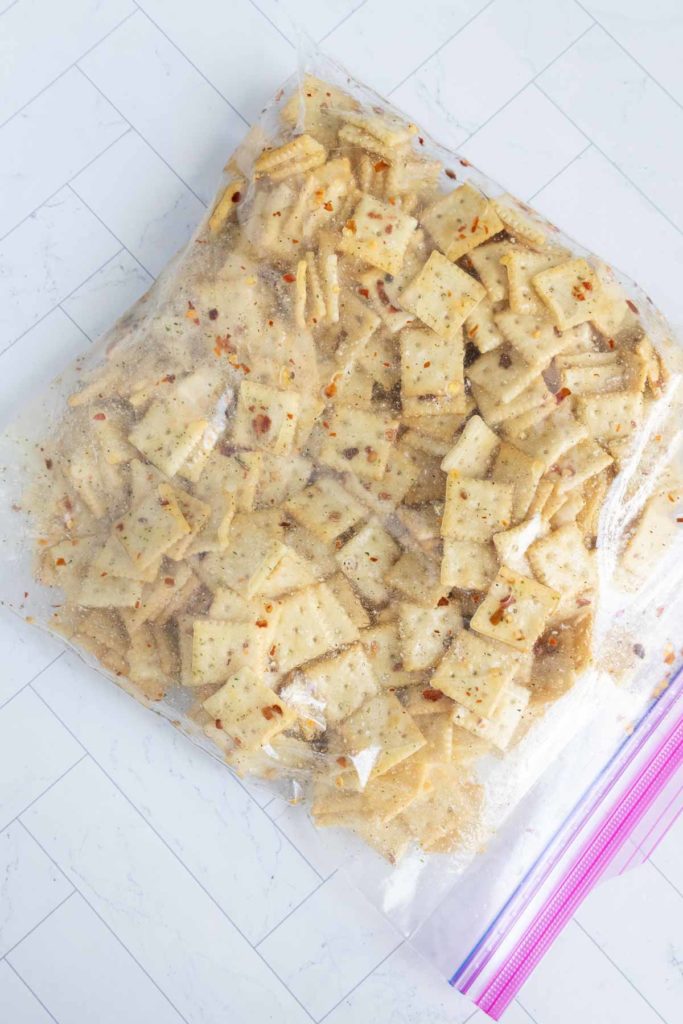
(374, 494)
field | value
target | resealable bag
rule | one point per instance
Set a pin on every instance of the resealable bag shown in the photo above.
(375, 494)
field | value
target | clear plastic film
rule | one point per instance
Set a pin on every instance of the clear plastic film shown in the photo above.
(374, 494)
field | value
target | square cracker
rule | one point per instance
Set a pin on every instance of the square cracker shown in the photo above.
(299, 154)
(500, 729)
(512, 466)
(476, 509)
(221, 647)
(481, 328)
(326, 509)
(467, 564)
(493, 274)
(359, 442)
(382, 733)
(341, 683)
(519, 222)
(537, 341)
(579, 464)
(248, 710)
(475, 672)
(562, 561)
(430, 365)
(378, 234)
(366, 559)
(167, 434)
(461, 221)
(515, 610)
(471, 454)
(152, 526)
(382, 644)
(522, 266)
(417, 579)
(551, 437)
(265, 418)
(512, 545)
(571, 292)
(503, 374)
(610, 416)
(312, 622)
(442, 296)
(494, 411)
(426, 632)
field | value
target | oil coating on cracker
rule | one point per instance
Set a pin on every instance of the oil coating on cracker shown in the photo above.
(338, 481)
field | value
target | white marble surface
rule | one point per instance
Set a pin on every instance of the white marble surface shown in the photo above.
(138, 880)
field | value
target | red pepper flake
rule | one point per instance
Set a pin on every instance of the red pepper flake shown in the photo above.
(442, 602)
(223, 345)
(262, 623)
(373, 558)
(164, 502)
(60, 561)
(371, 454)
(451, 174)
(261, 424)
(562, 394)
(465, 163)
(364, 292)
(612, 343)
(432, 695)
(351, 226)
(473, 331)
(213, 314)
(267, 713)
(632, 306)
(328, 206)
(475, 225)
(381, 165)
(168, 379)
(236, 196)
(587, 285)
(578, 294)
(388, 229)
(679, 519)
(420, 140)
(582, 602)
(99, 416)
(552, 641)
(289, 278)
(464, 495)
(427, 364)
(330, 391)
(382, 293)
(218, 723)
(384, 496)
(48, 463)
(119, 526)
(392, 200)
(169, 581)
(342, 762)
(504, 603)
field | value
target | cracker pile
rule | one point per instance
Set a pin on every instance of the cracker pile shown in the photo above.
(335, 489)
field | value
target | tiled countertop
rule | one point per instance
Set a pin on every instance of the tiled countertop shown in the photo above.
(139, 881)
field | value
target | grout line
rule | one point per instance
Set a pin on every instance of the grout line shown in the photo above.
(665, 877)
(290, 912)
(175, 856)
(23, 982)
(618, 968)
(9, 7)
(295, 847)
(17, 817)
(629, 54)
(68, 315)
(614, 165)
(271, 22)
(33, 678)
(359, 983)
(66, 70)
(65, 184)
(78, 892)
(441, 47)
(49, 913)
(532, 81)
(343, 20)
(529, 1015)
(192, 64)
(561, 171)
(140, 135)
(116, 237)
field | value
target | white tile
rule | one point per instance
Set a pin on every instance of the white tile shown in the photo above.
(17, 1004)
(496, 55)
(45, 258)
(107, 294)
(162, 916)
(192, 800)
(40, 39)
(405, 35)
(251, 43)
(317, 951)
(622, 910)
(56, 135)
(404, 990)
(316, 844)
(166, 99)
(28, 366)
(24, 650)
(667, 856)
(81, 972)
(596, 204)
(30, 886)
(573, 984)
(525, 144)
(317, 18)
(652, 33)
(626, 123)
(144, 203)
(34, 751)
